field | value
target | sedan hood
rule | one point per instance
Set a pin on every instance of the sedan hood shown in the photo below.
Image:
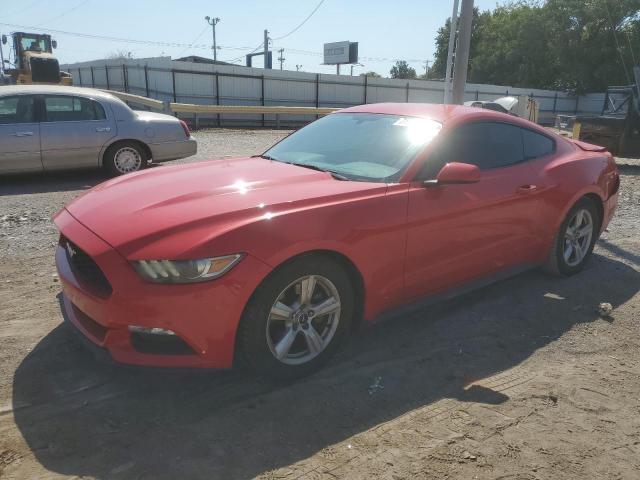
(139, 210)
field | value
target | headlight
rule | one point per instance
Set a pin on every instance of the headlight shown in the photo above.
(185, 271)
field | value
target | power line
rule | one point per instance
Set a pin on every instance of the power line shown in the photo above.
(302, 23)
(185, 45)
(66, 12)
(29, 6)
(248, 53)
(117, 39)
(194, 41)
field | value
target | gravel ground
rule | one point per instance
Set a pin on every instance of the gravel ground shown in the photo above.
(520, 380)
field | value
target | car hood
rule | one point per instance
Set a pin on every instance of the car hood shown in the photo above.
(182, 207)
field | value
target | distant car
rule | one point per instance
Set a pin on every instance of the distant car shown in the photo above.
(276, 257)
(46, 127)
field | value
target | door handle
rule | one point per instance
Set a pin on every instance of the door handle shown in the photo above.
(23, 134)
(103, 129)
(527, 188)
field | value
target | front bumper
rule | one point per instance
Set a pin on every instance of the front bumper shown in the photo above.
(165, 151)
(204, 316)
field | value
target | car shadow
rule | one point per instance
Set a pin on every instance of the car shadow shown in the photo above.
(50, 182)
(80, 417)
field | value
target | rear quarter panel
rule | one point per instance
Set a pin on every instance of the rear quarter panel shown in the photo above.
(566, 177)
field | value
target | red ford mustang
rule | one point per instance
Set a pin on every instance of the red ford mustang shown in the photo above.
(274, 258)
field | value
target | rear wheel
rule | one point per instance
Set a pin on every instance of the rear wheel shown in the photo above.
(125, 157)
(297, 319)
(575, 239)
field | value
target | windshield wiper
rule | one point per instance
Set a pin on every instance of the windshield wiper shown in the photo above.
(265, 156)
(335, 175)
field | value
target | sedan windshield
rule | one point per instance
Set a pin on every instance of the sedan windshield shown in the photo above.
(358, 146)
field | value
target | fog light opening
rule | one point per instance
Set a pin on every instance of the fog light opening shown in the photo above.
(150, 331)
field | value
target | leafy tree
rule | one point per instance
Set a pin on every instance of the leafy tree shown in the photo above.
(402, 70)
(438, 69)
(575, 45)
(370, 74)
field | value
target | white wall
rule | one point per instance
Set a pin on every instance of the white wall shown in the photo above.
(238, 85)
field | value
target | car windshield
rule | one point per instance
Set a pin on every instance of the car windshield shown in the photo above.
(358, 146)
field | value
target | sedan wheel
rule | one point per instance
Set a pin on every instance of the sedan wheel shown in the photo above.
(127, 160)
(297, 318)
(125, 157)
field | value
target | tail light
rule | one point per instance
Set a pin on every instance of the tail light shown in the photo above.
(185, 127)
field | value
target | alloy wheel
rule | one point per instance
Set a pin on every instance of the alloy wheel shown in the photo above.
(577, 237)
(303, 319)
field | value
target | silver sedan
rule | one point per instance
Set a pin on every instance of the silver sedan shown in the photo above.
(45, 128)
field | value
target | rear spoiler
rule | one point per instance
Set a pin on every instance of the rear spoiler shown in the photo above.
(589, 147)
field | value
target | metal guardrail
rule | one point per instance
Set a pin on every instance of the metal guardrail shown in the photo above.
(137, 99)
(251, 109)
(196, 109)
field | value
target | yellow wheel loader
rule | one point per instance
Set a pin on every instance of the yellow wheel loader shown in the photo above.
(33, 61)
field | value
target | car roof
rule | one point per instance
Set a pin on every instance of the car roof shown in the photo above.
(435, 111)
(445, 113)
(53, 90)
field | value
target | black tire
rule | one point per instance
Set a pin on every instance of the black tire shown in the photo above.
(556, 262)
(133, 149)
(253, 344)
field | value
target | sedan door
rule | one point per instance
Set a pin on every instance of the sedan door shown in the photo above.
(460, 233)
(74, 131)
(19, 135)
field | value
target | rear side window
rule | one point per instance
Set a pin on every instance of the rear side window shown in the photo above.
(536, 145)
(18, 109)
(72, 109)
(485, 144)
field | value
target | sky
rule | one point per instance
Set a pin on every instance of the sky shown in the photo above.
(385, 29)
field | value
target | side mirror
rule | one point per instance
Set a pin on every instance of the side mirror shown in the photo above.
(4, 39)
(455, 173)
(54, 43)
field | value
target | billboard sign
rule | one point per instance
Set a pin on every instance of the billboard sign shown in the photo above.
(340, 52)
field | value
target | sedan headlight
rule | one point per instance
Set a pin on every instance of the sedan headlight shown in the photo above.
(185, 271)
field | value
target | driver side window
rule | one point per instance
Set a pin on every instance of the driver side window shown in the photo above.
(485, 144)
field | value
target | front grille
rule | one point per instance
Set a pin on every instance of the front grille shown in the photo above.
(86, 270)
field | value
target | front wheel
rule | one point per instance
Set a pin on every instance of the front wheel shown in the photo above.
(575, 239)
(297, 319)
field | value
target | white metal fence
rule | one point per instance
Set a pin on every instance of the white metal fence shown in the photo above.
(187, 82)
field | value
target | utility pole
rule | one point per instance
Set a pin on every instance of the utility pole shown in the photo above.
(281, 58)
(1, 61)
(426, 68)
(452, 41)
(462, 53)
(266, 49)
(355, 65)
(213, 22)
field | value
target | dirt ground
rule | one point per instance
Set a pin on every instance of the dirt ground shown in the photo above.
(520, 380)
